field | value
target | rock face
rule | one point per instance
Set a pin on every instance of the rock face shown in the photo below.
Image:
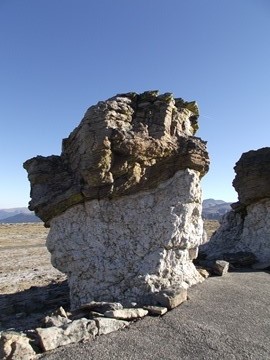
(126, 144)
(245, 231)
(123, 200)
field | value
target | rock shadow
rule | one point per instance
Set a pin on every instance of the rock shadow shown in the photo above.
(24, 310)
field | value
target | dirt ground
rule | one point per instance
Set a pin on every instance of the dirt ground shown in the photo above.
(24, 258)
(29, 284)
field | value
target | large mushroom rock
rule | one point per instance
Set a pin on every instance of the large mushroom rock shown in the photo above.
(123, 200)
(126, 144)
(244, 233)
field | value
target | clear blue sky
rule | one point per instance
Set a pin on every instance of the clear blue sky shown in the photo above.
(58, 57)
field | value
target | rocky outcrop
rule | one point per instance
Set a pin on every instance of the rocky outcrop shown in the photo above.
(124, 145)
(244, 235)
(252, 176)
(123, 200)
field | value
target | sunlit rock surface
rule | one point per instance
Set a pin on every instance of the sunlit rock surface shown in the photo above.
(123, 200)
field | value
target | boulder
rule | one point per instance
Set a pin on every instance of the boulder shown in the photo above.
(123, 200)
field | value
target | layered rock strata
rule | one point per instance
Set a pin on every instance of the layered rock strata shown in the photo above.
(124, 145)
(244, 234)
(123, 200)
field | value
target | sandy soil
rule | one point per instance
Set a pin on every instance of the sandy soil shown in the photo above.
(24, 258)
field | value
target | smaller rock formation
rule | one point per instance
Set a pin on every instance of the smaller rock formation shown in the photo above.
(244, 235)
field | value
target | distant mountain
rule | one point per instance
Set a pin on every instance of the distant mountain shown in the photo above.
(4, 213)
(20, 218)
(17, 215)
(215, 209)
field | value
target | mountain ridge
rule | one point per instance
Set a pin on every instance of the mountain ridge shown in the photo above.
(17, 215)
(214, 209)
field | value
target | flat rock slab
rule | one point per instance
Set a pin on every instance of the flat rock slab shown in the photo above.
(79, 330)
(126, 314)
(156, 310)
(106, 325)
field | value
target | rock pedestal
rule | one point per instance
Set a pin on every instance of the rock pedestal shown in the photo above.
(123, 200)
(245, 230)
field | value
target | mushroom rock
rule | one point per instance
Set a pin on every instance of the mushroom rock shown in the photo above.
(123, 200)
(245, 230)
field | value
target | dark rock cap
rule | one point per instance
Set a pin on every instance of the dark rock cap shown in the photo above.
(252, 177)
(128, 143)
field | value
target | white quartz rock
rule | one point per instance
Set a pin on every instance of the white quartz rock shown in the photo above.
(126, 248)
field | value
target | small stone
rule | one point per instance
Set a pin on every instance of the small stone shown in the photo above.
(126, 314)
(221, 267)
(171, 299)
(107, 325)
(203, 272)
(156, 310)
(14, 345)
(60, 311)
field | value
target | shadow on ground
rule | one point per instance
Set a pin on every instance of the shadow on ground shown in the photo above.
(25, 309)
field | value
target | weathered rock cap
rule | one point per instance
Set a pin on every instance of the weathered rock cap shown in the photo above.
(128, 143)
(252, 177)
